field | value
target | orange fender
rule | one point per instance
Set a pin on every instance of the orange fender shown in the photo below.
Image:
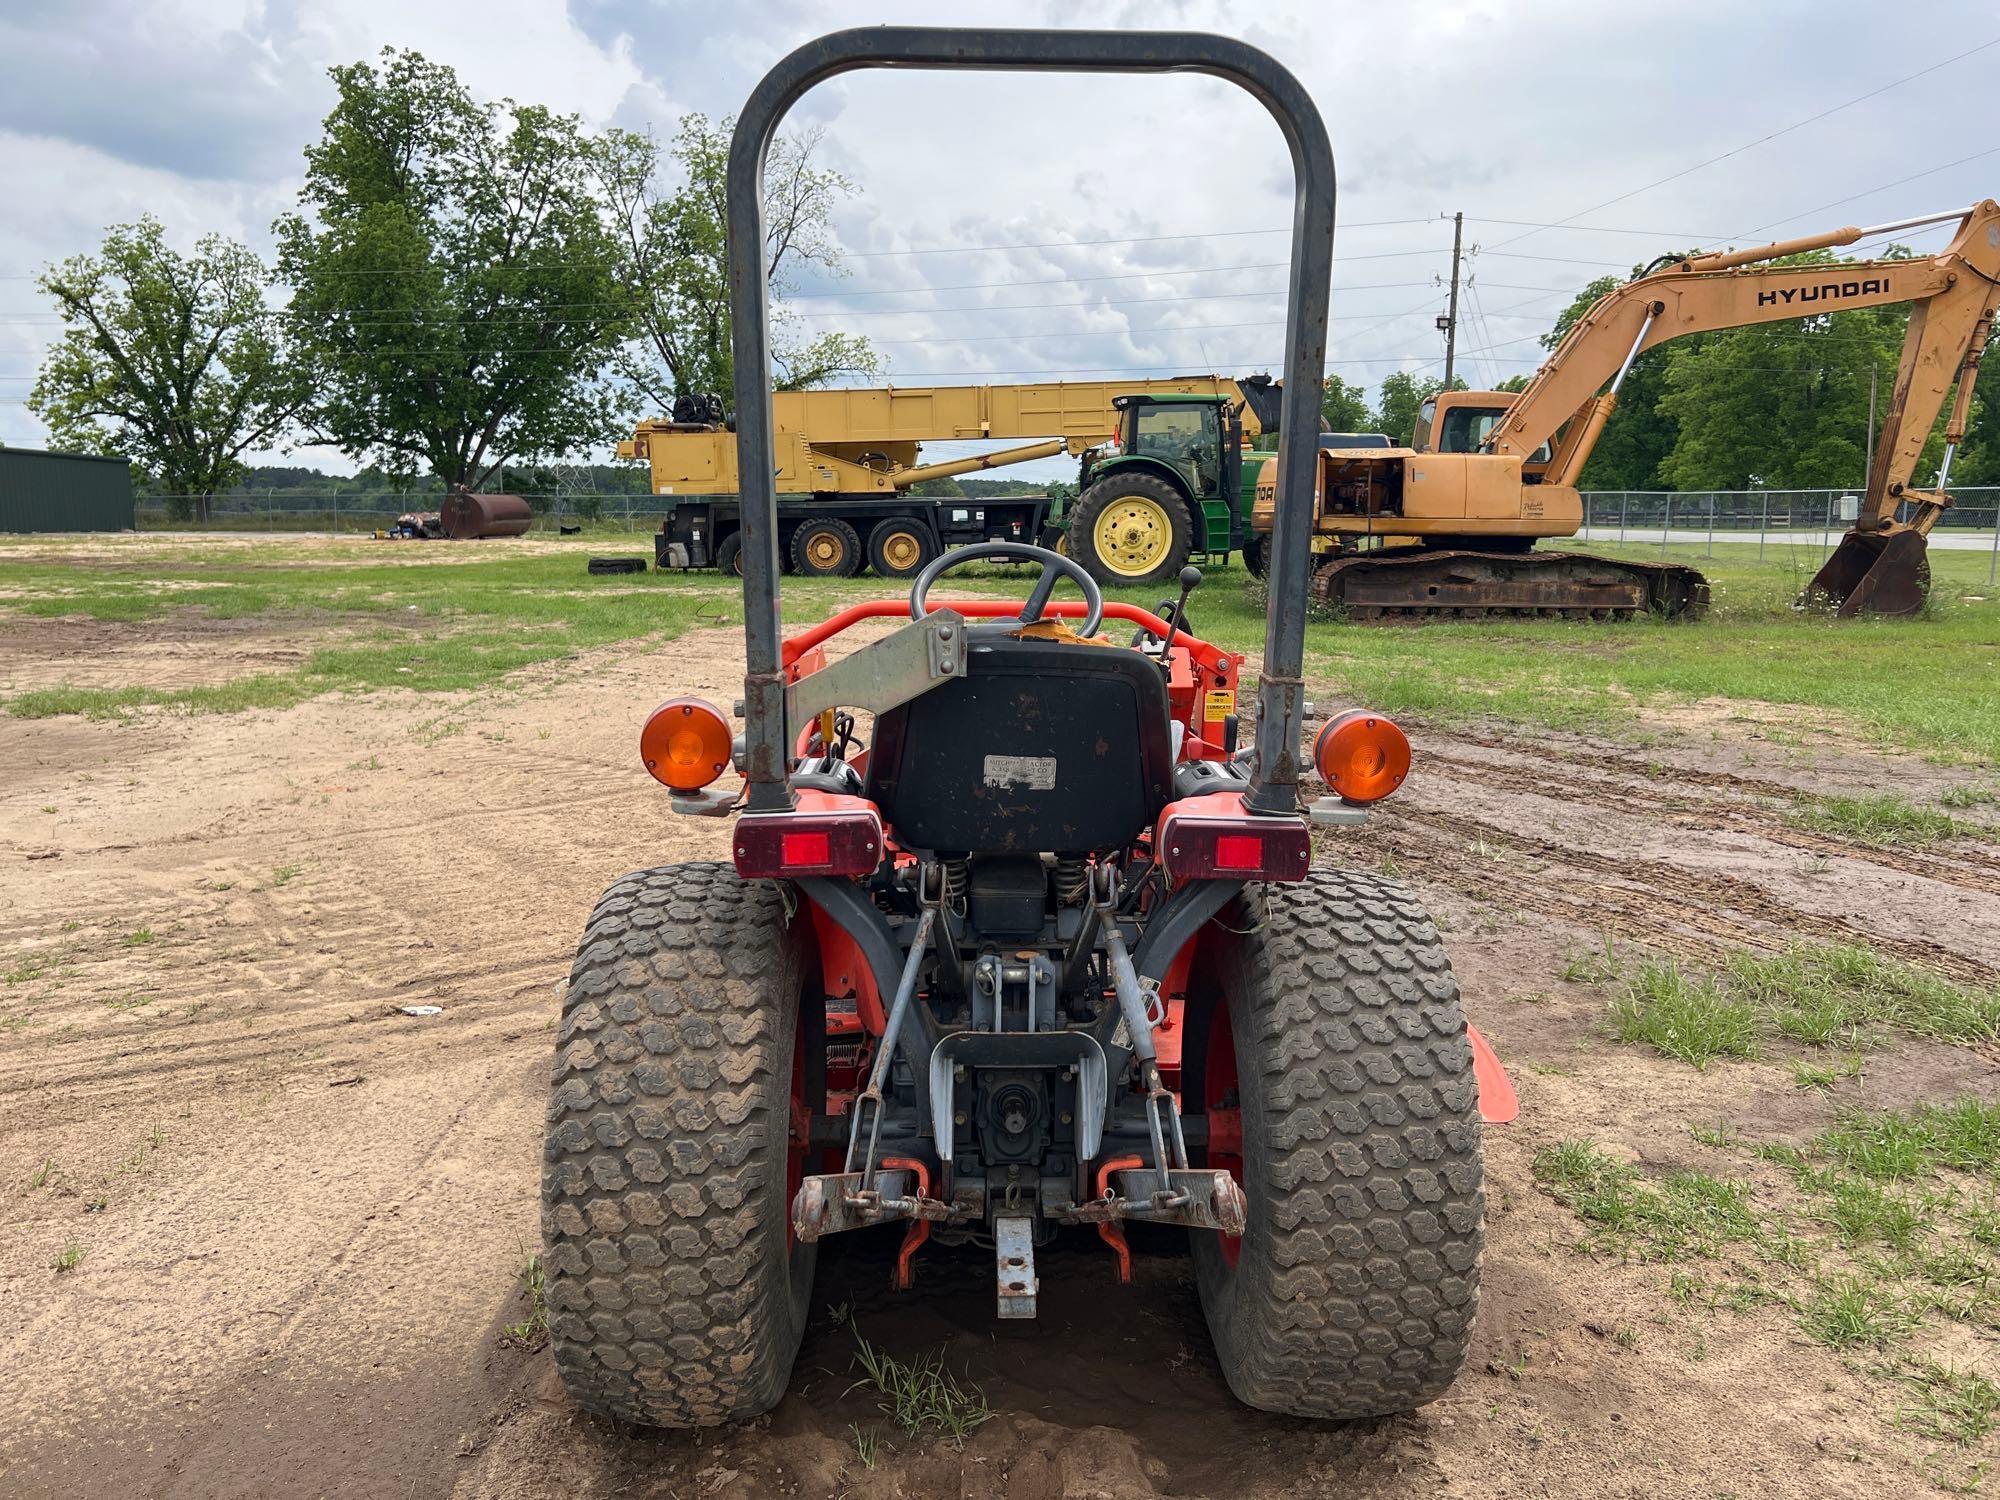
(1498, 1103)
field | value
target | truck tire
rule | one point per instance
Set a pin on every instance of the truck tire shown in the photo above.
(1337, 1034)
(729, 555)
(1131, 528)
(900, 548)
(1256, 547)
(676, 1292)
(826, 548)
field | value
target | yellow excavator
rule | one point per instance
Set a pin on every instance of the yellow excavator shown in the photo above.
(1448, 525)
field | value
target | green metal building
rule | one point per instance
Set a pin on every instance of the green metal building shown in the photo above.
(64, 492)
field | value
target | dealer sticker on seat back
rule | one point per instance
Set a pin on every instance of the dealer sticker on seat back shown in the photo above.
(1037, 773)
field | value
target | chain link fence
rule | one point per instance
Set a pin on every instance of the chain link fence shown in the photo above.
(335, 513)
(1666, 517)
(1768, 518)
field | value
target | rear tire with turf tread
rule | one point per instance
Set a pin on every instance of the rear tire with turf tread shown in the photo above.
(1357, 1278)
(676, 1295)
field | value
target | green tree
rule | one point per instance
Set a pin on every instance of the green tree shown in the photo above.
(1782, 405)
(1344, 407)
(1403, 394)
(172, 361)
(674, 261)
(1978, 460)
(1636, 440)
(454, 277)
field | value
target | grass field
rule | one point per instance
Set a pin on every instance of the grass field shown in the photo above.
(1743, 1237)
(1931, 684)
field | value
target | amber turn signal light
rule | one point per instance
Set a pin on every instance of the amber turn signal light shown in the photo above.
(1361, 756)
(685, 744)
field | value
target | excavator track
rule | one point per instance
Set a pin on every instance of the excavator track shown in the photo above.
(1416, 583)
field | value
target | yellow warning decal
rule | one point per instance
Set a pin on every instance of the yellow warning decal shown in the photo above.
(1221, 703)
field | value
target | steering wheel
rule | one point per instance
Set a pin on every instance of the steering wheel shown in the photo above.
(1055, 567)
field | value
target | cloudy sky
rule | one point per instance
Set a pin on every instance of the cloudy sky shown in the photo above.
(1016, 228)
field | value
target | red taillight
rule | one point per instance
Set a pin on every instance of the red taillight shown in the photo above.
(1239, 851)
(781, 846)
(685, 744)
(798, 850)
(1362, 757)
(1193, 847)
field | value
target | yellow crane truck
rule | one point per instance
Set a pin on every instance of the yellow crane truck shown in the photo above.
(1447, 526)
(1161, 474)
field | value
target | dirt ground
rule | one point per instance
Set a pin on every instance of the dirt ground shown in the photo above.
(302, 1212)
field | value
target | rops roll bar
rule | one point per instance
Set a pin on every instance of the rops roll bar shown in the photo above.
(1280, 698)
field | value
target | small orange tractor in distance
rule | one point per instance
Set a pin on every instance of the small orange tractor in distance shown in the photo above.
(1448, 525)
(1017, 937)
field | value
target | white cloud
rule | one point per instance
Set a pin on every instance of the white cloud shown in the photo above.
(1509, 111)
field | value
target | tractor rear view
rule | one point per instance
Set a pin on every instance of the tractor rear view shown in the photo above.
(1017, 937)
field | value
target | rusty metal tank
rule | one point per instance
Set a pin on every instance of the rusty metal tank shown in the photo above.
(468, 517)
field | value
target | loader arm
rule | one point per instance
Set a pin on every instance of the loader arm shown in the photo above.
(1954, 294)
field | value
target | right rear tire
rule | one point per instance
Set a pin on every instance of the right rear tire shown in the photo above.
(1255, 544)
(676, 1293)
(1335, 1044)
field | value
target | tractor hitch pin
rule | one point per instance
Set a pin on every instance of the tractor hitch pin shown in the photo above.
(878, 1076)
(1138, 1017)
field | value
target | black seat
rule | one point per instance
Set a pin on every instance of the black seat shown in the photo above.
(1043, 746)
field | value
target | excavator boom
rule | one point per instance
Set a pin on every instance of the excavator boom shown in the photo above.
(1879, 567)
(1488, 473)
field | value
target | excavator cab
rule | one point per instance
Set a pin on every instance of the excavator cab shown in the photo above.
(1462, 421)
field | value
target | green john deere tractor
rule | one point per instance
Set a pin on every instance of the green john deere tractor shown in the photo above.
(1175, 487)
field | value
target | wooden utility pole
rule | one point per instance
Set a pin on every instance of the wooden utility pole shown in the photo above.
(1451, 318)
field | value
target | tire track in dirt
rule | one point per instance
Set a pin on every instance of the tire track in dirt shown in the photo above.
(1650, 898)
(1968, 866)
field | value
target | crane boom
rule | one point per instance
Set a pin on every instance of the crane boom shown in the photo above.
(1160, 471)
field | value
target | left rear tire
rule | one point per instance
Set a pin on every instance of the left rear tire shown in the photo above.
(677, 1295)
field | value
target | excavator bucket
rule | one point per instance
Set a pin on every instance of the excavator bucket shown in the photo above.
(1874, 573)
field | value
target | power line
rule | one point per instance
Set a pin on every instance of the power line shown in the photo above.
(1657, 234)
(1761, 140)
(425, 270)
(924, 312)
(1126, 240)
(1871, 192)
(981, 286)
(452, 355)
(975, 377)
(881, 312)
(1559, 260)
(1142, 239)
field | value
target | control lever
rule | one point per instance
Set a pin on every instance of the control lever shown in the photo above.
(1190, 581)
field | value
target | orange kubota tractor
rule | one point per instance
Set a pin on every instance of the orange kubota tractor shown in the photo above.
(1448, 525)
(1016, 937)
